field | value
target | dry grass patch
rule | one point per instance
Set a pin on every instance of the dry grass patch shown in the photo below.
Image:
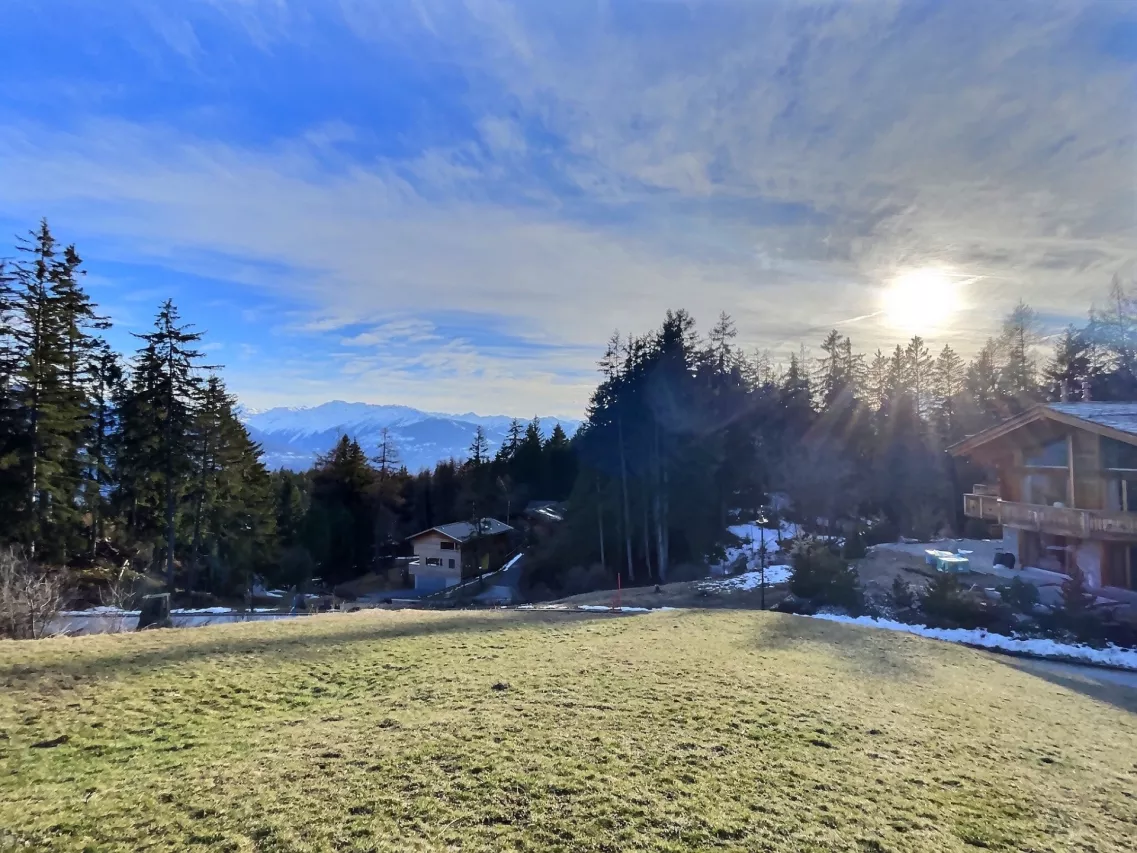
(405, 730)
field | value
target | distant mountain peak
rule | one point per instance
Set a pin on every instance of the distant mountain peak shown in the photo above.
(292, 437)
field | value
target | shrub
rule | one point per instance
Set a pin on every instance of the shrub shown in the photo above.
(924, 524)
(855, 547)
(1020, 596)
(823, 577)
(1076, 595)
(947, 605)
(903, 597)
(691, 572)
(30, 597)
(580, 579)
(1076, 613)
(881, 531)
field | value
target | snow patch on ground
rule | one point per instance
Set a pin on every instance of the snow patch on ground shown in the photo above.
(603, 608)
(753, 535)
(112, 620)
(1109, 656)
(748, 580)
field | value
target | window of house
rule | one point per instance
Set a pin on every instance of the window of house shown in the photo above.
(1045, 487)
(1053, 454)
(446, 546)
(451, 563)
(434, 561)
(1121, 494)
(1117, 455)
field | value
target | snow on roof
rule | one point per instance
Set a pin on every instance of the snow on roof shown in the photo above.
(1119, 416)
(463, 530)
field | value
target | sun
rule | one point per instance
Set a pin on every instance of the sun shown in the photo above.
(921, 299)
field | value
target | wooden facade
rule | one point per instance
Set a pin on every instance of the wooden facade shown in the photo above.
(1065, 488)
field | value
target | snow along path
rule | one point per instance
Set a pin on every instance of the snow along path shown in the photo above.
(1049, 649)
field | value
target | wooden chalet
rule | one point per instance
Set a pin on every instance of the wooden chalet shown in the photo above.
(1066, 492)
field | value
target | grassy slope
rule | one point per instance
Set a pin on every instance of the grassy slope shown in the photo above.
(669, 731)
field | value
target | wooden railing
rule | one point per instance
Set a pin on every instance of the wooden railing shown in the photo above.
(981, 506)
(1058, 520)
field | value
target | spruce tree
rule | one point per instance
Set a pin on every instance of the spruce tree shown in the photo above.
(919, 369)
(166, 396)
(51, 406)
(106, 391)
(512, 441)
(12, 492)
(1020, 335)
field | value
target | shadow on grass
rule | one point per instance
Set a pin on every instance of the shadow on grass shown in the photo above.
(877, 653)
(136, 653)
(1112, 687)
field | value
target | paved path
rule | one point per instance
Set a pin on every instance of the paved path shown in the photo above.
(1090, 675)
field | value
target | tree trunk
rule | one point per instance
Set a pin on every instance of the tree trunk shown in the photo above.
(661, 510)
(196, 548)
(96, 517)
(624, 487)
(170, 478)
(647, 538)
(600, 522)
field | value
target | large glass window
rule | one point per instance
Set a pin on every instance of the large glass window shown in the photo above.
(1121, 494)
(1045, 487)
(1053, 454)
(1118, 455)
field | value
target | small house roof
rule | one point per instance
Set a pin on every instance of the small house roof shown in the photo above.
(460, 531)
(1113, 420)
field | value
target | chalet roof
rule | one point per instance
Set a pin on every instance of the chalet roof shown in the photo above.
(1113, 420)
(460, 531)
(1118, 416)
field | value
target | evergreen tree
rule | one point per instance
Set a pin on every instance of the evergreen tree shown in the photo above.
(1019, 337)
(560, 464)
(339, 526)
(12, 488)
(512, 441)
(919, 374)
(1072, 365)
(878, 380)
(106, 391)
(50, 405)
(947, 386)
(158, 423)
(479, 448)
(388, 496)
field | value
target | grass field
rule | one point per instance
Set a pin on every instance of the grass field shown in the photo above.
(527, 731)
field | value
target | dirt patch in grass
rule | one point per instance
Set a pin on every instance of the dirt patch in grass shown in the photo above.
(881, 567)
(683, 730)
(688, 594)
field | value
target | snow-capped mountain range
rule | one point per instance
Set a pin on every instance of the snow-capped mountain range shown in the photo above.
(293, 437)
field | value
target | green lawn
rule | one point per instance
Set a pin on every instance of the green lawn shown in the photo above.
(526, 731)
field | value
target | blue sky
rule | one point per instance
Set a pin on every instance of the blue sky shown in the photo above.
(452, 204)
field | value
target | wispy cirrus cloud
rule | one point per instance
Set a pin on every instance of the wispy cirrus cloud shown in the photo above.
(555, 171)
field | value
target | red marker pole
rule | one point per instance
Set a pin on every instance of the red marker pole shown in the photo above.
(617, 604)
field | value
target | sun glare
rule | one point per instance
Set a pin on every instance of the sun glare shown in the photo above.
(921, 300)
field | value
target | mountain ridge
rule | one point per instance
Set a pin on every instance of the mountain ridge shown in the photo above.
(292, 437)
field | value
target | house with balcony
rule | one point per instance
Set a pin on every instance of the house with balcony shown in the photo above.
(450, 553)
(1065, 488)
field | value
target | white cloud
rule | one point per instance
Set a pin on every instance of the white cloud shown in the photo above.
(776, 160)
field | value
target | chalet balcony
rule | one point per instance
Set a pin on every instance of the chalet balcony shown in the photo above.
(1056, 520)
